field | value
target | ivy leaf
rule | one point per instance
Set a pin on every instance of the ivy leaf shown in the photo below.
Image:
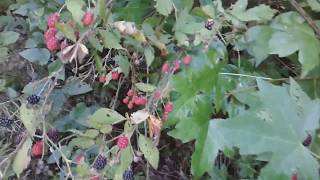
(36, 55)
(164, 7)
(22, 158)
(75, 7)
(294, 35)
(277, 124)
(149, 150)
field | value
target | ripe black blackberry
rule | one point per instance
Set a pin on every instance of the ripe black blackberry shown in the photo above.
(128, 175)
(110, 61)
(53, 134)
(100, 162)
(33, 99)
(307, 141)
(5, 122)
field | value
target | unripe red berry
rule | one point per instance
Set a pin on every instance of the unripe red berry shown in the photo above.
(63, 45)
(79, 158)
(157, 95)
(140, 101)
(122, 142)
(52, 43)
(102, 78)
(37, 149)
(294, 176)
(165, 117)
(87, 18)
(115, 75)
(125, 100)
(53, 19)
(168, 107)
(130, 92)
(187, 60)
(165, 68)
(50, 33)
(176, 66)
(95, 178)
(130, 105)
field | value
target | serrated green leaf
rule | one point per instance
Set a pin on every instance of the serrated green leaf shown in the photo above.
(8, 37)
(145, 87)
(94, 41)
(54, 67)
(110, 39)
(126, 158)
(22, 158)
(123, 63)
(164, 7)
(293, 35)
(105, 129)
(91, 133)
(75, 7)
(36, 55)
(67, 31)
(149, 150)
(106, 116)
(30, 118)
(149, 55)
(82, 142)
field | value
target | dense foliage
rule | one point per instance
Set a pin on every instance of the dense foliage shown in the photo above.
(104, 89)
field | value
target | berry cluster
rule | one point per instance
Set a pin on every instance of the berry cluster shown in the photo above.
(53, 134)
(52, 42)
(209, 24)
(37, 149)
(122, 142)
(100, 162)
(132, 99)
(33, 99)
(168, 107)
(128, 175)
(5, 121)
(166, 67)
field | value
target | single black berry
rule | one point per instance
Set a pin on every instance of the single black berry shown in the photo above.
(307, 141)
(209, 24)
(33, 99)
(100, 162)
(53, 134)
(5, 122)
(110, 61)
(128, 175)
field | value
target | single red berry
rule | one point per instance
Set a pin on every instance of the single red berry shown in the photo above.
(294, 176)
(53, 43)
(87, 18)
(168, 107)
(187, 60)
(176, 66)
(130, 105)
(79, 158)
(165, 117)
(115, 75)
(165, 68)
(50, 33)
(102, 78)
(125, 100)
(140, 101)
(122, 142)
(157, 95)
(63, 45)
(130, 92)
(95, 178)
(37, 149)
(53, 19)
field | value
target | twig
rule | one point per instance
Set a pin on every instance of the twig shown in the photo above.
(304, 14)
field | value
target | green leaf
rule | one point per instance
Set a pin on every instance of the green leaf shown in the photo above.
(22, 158)
(149, 150)
(105, 116)
(75, 7)
(105, 129)
(8, 37)
(126, 158)
(149, 55)
(123, 63)
(314, 5)
(76, 87)
(54, 67)
(278, 124)
(294, 35)
(67, 30)
(94, 41)
(82, 142)
(145, 87)
(36, 55)
(30, 118)
(3, 52)
(164, 7)
(110, 39)
(83, 170)
(91, 133)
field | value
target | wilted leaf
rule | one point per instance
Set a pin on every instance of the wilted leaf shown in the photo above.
(150, 151)
(22, 158)
(139, 116)
(36, 55)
